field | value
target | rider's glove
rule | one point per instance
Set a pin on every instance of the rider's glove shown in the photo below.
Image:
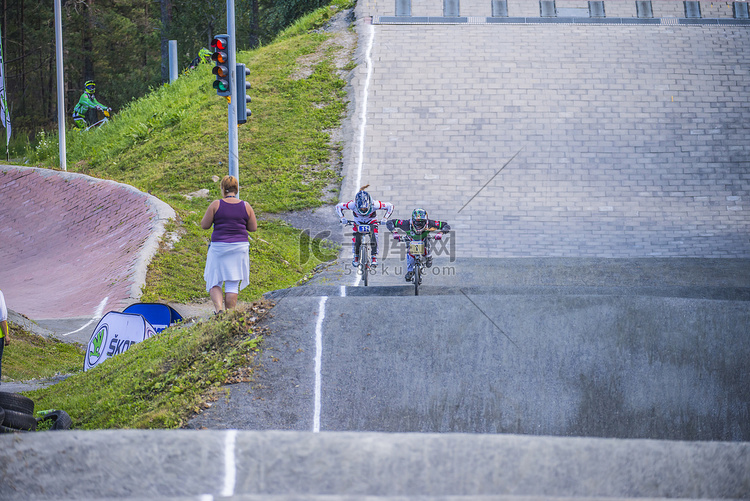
(439, 236)
(344, 220)
(396, 236)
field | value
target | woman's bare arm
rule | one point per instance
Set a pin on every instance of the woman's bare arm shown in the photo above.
(252, 224)
(208, 217)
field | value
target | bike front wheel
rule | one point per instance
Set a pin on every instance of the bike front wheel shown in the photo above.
(364, 263)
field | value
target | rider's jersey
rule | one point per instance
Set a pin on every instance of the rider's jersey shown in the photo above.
(369, 218)
(405, 226)
(86, 103)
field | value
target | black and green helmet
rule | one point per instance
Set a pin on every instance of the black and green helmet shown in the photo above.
(418, 220)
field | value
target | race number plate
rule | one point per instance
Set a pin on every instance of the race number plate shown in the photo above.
(362, 228)
(416, 248)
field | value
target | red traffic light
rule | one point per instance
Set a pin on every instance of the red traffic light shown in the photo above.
(219, 43)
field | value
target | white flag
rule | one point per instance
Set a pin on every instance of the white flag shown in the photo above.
(4, 111)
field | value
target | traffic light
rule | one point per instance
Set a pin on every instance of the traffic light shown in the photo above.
(220, 57)
(242, 98)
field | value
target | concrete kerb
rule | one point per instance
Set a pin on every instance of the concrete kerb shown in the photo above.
(30, 325)
(352, 125)
(163, 213)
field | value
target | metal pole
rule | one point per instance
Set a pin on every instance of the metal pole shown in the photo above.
(234, 169)
(172, 60)
(60, 89)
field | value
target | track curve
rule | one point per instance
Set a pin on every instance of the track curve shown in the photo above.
(71, 241)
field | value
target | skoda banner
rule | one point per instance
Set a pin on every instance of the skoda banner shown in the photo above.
(114, 334)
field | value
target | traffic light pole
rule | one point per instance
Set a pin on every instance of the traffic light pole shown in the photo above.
(60, 86)
(234, 163)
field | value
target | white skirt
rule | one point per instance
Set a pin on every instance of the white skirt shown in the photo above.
(227, 261)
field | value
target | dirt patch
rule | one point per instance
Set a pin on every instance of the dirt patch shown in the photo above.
(322, 222)
(340, 47)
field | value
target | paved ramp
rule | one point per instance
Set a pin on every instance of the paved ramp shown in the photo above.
(606, 348)
(73, 245)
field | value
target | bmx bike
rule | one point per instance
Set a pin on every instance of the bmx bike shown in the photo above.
(365, 261)
(101, 122)
(417, 250)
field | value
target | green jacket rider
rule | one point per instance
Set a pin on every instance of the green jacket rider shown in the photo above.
(204, 56)
(86, 103)
(418, 227)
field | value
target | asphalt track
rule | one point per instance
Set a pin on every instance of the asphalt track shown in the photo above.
(566, 347)
(572, 185)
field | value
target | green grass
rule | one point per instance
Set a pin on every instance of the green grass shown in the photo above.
(171, 143)
(30, 356)
(162, 381)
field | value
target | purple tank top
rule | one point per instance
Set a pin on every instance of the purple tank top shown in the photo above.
(230, 223)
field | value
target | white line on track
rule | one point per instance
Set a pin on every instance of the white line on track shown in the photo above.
(230, 468)
(363, 120)
(318, 360)
(95, 318)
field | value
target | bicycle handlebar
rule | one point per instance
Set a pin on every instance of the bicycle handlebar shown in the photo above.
(349, 222)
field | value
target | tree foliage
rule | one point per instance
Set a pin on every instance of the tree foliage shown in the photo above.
(121, 44)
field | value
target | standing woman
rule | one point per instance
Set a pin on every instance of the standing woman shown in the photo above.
(228, 259)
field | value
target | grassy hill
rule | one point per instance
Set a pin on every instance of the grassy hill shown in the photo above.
(171, 143)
